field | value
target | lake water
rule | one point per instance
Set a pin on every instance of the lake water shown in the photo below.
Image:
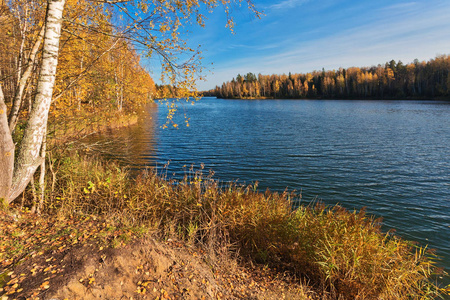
(389, 156)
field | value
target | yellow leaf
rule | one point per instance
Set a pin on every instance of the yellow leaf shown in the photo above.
(45, 285)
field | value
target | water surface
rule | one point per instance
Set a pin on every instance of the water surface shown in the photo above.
(389, 156)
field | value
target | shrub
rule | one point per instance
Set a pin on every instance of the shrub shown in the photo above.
(342, 253)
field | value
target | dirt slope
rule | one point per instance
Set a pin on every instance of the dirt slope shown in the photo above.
(140, 269)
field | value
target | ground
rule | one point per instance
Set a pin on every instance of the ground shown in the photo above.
(46, 257)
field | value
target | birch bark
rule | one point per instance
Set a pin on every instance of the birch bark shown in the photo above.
(18, 97)
(28, 158)
(6, 154)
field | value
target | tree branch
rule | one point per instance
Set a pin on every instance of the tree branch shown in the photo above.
(80, 75)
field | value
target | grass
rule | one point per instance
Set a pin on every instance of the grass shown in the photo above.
(344, 254)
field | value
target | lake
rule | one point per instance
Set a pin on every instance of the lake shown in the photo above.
(389, 156)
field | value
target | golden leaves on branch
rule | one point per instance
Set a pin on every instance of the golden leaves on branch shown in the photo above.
(99, 67)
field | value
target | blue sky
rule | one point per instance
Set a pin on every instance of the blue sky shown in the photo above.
(300, 36)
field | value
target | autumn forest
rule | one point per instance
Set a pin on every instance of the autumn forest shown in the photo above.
(79, 222)
(97, 71)
(67, 66)
(393, 80)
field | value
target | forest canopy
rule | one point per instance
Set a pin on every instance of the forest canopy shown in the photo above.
(63, 60)
(393, 80)
(96, 71)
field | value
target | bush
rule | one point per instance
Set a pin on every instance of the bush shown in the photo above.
(342, 253)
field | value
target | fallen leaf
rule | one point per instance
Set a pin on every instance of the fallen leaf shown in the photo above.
(45, 285)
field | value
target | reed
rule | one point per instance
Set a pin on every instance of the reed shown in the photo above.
(344, 254)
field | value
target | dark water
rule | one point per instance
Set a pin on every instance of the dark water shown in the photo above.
(391, 156)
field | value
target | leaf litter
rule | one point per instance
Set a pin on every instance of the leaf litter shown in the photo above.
(85, 257)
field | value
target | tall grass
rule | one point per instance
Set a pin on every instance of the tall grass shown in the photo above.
(342, 253)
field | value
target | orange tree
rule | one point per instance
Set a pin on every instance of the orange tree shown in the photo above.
(155, 24)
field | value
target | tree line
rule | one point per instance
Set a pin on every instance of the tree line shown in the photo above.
(393, 80)
(96, 71)
(62, 59)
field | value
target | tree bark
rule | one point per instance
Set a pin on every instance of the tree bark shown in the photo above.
(37, 206)
(42, 176)
(29, 152)
(17, 102)
(6, 154)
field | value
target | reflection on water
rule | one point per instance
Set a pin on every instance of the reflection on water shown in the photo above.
(391, 156)
(134, 146)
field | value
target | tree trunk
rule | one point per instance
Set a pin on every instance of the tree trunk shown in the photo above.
(29, 153)
(17, 102)
(42, 177)
(37, 206)
(20, 58)
(6, 154)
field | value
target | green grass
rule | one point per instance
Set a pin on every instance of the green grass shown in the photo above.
(343, 254)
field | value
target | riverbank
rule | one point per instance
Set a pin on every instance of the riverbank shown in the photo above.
(194, 238)
(399, 98)
(85, 257)
(80, 126)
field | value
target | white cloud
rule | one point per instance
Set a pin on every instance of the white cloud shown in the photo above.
(400, 6)
(419, 34)
(253, 47)
(288, 4)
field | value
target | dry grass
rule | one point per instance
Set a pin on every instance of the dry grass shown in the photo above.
(341, 253)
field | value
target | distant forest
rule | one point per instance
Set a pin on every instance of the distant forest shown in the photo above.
(394, 80)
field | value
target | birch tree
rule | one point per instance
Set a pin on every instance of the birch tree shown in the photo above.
(6, 153)
(28, 158)
(156, 25)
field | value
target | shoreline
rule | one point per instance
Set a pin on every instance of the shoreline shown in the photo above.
(82, 126)
(208, 241)
(336, 99)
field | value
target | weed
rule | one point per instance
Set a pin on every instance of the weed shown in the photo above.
(343, 253)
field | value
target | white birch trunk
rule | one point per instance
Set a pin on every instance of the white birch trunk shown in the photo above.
(42, 176)
(23, 79)
(6, 154)
(29, 153)
(19, 60)
(37, 207)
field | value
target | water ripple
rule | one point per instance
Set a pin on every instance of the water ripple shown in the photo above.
(389, 156)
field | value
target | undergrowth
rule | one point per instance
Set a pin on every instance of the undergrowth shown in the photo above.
(342, 253)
